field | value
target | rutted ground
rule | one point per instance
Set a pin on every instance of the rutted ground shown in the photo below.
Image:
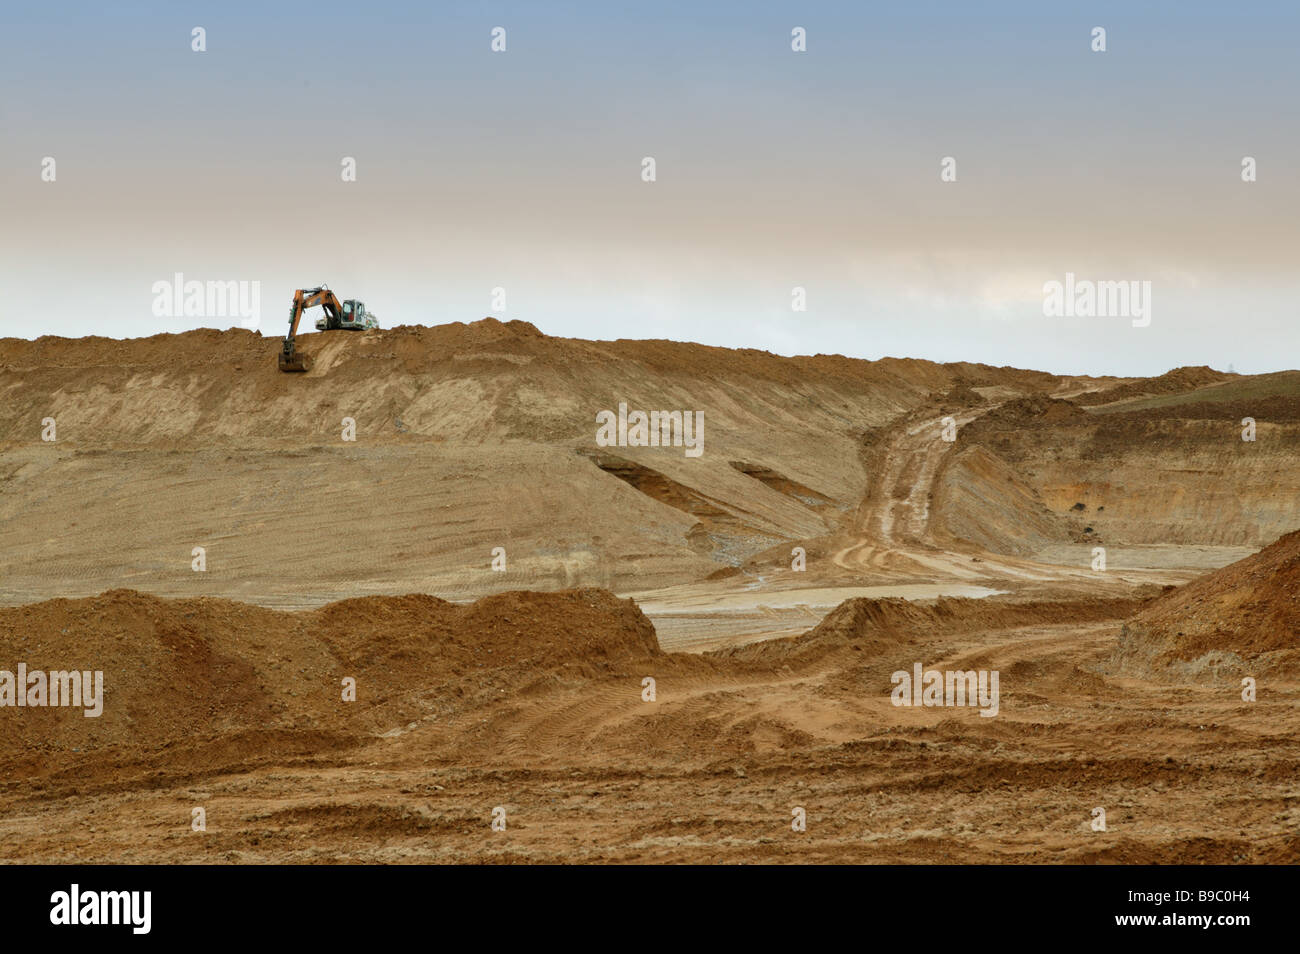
(557, 733)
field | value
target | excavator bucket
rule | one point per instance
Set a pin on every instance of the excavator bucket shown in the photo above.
(298, 362)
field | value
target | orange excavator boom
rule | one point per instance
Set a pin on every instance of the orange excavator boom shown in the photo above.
(304, 298)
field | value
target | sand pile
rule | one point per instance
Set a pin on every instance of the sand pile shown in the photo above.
(171, 669)
(1241, 620)
(421, 637)
(880, 626)
(182, 671)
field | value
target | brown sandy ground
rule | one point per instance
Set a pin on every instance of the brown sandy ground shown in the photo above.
(772, 684)
(534, 703)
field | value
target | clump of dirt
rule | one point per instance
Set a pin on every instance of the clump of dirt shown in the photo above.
(961, 396)
(1035, 411)
(1243, 616)
(1171, 382)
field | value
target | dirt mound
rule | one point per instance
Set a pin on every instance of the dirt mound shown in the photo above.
(180, 671)
(962, 395)
(880, 626)
(1171, 382)
(428, 637)
(1034, 411)
(1273, 409)
(1244, 616)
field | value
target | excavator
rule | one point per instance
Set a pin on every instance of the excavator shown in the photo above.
(350, 314)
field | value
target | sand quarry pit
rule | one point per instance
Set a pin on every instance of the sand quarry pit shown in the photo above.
(674, 659)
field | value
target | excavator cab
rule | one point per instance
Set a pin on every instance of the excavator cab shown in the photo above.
(352, 316)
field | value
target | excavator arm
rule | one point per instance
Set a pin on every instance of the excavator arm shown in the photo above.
(304, 298)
